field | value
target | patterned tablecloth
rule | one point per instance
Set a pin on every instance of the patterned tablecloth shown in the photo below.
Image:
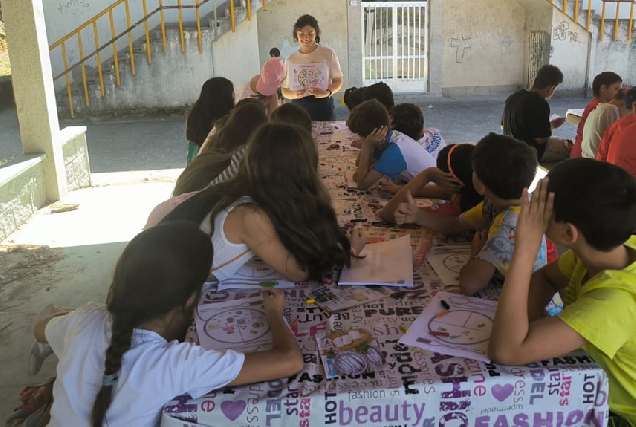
(415, 387)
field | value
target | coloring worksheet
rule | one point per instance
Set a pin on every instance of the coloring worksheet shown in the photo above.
(255, 274)
(308, 76)
(336, 298)
(462, 329)
(447, 261)
(238, 325)
(388, 263)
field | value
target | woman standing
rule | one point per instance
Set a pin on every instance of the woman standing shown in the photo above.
(313, 93)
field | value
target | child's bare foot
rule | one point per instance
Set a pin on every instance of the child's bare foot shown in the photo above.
(39, 352)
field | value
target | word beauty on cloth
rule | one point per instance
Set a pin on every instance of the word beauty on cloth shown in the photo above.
(462, 330)
(412, 413)
(388, 263)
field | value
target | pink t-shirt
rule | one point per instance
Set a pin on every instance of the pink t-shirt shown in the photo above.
(164, 208)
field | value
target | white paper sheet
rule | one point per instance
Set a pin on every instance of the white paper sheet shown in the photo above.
(308, 76)
(238, 325)
(468, 324)
(256, 274)
(387, 263)
(447, 261)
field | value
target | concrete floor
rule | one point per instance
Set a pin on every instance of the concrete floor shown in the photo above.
(153, 144)
(82, 246)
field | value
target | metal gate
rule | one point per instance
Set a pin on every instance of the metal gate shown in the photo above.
(395, 44)
(538, 54)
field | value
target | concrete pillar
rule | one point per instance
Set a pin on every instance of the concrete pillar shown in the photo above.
(436, 47)
(354, 30)
(33, 89)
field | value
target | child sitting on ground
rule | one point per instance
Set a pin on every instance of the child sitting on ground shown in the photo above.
(409, 119)
(590, 208)
(503, 167)
(119, 364)
(453, 181)
(396, 155)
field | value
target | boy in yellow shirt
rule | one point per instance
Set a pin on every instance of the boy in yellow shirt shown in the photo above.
(589, 207)
(502, 167)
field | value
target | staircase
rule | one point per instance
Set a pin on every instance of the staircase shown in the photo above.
(165, 64)
(610, 20)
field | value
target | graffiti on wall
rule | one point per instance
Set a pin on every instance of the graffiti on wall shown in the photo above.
(461, 44)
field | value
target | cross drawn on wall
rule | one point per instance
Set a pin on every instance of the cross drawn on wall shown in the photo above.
(460, 44)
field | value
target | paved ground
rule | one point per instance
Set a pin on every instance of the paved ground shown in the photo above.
(153, 144)
(68, 258)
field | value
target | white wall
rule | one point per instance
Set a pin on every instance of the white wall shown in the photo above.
(236, 55)
(64, 16)
(484, 42)
(570, 44)
(276, 24)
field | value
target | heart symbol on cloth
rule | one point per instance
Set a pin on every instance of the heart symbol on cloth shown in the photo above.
(233, 409)
(501, 392)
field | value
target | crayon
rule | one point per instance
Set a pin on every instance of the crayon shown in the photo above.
(403, 329)
(445, 305)
(443, 313)
(439, 334)
(310, 301)
(359, 220)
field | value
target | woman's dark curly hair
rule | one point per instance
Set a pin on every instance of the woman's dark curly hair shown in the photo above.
(302, 22)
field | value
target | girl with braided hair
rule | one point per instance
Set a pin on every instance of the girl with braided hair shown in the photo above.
(120, 363)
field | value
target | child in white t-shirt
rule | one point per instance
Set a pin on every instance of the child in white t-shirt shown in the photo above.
(120, 363)
(409, 119)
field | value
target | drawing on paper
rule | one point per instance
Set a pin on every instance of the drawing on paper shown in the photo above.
(349, 352)
(463, 326)
(447, 261)
(255, 274)
(463, 330)
(239, 325)
(308, 76)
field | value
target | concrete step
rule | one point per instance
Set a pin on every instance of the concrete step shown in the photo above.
(129, 87)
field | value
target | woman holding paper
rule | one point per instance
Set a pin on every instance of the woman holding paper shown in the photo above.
(313, 72)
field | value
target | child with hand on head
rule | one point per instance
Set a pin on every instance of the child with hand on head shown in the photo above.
(503, 167)
(119, 364)
(384, 152)
(452, 180)
(409, 119)
(589, 207)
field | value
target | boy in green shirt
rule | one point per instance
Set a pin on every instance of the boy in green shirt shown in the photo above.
(590, 208)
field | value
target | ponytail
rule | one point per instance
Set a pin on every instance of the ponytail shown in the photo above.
(119, 344)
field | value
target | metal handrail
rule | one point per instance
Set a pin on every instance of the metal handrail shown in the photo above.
(603, 16)
(128, 31)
